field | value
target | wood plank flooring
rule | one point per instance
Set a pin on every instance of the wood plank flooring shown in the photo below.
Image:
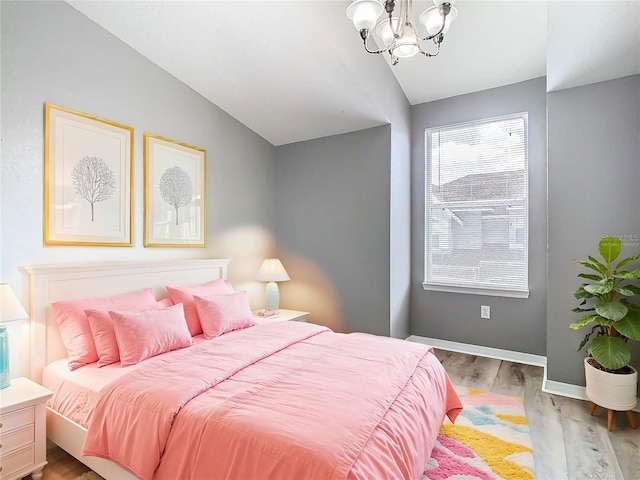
(568, 443)
(61, 466)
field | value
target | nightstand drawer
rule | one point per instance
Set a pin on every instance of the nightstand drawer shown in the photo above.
(23, 429)
(17, 460)
(16, 419)
(20, 437)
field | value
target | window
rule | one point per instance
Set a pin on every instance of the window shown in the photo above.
(476, 227)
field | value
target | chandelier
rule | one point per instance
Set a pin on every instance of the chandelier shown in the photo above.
(397, 30)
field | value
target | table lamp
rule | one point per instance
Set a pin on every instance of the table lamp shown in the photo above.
(10, 310)
(272, 271)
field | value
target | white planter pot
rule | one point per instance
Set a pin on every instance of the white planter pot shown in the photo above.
(611, 390)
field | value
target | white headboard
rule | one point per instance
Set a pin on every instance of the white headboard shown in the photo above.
(51, 283)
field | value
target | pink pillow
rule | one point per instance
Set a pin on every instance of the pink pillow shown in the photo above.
(74, 326)
(105, 338)
(165, 302)
(185, 295)
(144, 334)
(224, 313)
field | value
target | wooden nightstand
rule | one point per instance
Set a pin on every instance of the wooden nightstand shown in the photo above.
(23, 437)
(285, 316)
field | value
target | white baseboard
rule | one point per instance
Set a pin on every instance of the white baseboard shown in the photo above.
(564, 389)
(548, 386)
(480, 351)
(569, 390)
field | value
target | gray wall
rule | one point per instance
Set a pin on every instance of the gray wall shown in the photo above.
(515, 324)
(333, 200)
(400, 221)
(594, 180)
(52, 53)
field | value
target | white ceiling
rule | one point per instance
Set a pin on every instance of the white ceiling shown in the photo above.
(293, 70)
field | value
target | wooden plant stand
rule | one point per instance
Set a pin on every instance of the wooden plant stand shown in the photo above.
(610, 417)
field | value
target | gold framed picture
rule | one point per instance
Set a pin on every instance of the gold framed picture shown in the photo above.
(88, 180)
(175, 187)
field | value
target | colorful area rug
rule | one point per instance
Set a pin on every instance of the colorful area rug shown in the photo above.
(490, 440)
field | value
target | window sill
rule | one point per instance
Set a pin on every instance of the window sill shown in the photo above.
(476, 291)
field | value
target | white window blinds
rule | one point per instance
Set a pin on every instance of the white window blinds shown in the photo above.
(476, 226)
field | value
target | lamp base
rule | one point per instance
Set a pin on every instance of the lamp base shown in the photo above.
(4, 358)
(271, 296)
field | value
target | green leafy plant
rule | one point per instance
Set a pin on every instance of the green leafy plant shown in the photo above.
(607, 304)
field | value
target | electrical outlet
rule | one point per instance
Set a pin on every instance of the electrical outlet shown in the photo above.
(485, 311)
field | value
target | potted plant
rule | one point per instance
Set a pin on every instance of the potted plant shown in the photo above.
(612, 319)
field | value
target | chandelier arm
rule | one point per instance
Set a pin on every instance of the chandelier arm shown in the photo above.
(431, 37)
(365, 36)
(390, 8)
(429, 55)
(445, 12)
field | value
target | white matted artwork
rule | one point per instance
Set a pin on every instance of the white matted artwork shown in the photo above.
(175, 193)
(88, 180)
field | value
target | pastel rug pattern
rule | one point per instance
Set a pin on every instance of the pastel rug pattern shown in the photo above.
(489, 441)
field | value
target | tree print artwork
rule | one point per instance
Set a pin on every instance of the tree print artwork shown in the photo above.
(93, 180)
(175, 188)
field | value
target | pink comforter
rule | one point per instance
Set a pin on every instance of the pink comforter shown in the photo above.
(291, 401)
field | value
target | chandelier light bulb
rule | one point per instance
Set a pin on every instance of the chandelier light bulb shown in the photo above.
(364, 13)
(407, 45)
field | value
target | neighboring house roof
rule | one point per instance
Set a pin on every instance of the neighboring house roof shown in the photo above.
(482, 186)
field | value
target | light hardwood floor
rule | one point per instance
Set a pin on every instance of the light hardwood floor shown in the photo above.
(568, 443)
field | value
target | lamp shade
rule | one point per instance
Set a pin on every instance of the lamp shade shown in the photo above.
(407, 45)
(10, 307)
(272, 270)
(385, 32)
(432, 20)
(364, 13)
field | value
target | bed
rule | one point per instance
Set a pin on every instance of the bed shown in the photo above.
(274, 400)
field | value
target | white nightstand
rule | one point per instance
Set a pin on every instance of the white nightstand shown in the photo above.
(23, 437)
(285, 316)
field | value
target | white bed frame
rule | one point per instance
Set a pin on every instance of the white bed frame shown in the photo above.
(51, 283)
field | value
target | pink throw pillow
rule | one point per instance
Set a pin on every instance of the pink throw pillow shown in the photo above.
(105, 338)
(224, 313)
(74, 326)
(148, 333)
(185, 295)
(165, 302)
